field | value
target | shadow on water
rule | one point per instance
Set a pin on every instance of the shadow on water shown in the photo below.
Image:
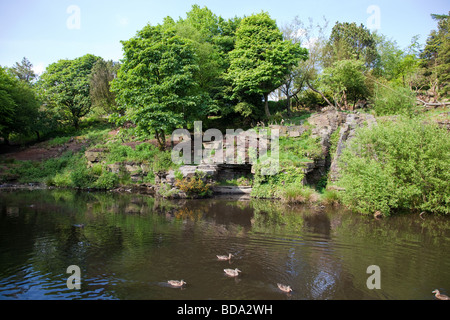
(128, 246)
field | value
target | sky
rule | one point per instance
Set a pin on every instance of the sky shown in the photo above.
(45, 31)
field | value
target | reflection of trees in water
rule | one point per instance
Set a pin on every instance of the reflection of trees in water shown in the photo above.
(318, 251)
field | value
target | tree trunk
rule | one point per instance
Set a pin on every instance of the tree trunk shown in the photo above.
(38, 136)
(160, 137)
(266, 104)
(288, 105)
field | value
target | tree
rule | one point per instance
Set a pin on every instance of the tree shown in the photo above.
(306, 71)
(395, 65)
(346, 81)
(261, 58)
(349, 41)
(156, 83)
(18, 106)
(24, 71)
(103, 72)
(436, 56)
(67, 84)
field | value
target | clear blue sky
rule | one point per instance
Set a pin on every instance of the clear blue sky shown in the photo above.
(38, 30)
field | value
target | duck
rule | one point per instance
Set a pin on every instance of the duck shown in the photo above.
(231, 272)
(439, 295)
(284, 288)
(176, 283)
(378, 215)
(224, 258)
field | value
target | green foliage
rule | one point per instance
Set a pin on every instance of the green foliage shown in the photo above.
(349, 41)
(32, 171)
(156, 82)
(103, 72)
(19, 107)
(397, 165)
(345, 79)
(389, 100)
(436, 55)
(261, 58)
(24, 71)
(330, 197)
(396, 65)
(67, 86)
(195, 186)
(107, 180)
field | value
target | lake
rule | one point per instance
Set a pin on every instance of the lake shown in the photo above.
(127, 246)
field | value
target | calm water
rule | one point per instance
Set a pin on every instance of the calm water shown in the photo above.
(132, 244)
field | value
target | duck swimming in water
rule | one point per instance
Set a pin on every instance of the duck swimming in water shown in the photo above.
(439, 295)
(225, 258)
(284, 288)
(231, 272)
(176, 283)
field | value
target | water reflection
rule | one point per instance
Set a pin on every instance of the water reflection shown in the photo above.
(131, 244)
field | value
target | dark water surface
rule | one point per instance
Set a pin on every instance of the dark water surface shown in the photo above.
(131, 245)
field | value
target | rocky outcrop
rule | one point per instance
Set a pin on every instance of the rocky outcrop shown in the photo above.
(346, 133)
(323, 125)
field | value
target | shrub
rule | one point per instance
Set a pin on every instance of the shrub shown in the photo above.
(397, 165)
(107, 180)
(82, 177)
(297, 193)
(194, 186)
(395, 100)
(330, 197)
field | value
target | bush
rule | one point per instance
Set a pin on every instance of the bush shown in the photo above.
(395, 100)
(107, 180)
(194, 186)
(297, 193)
(397, 165)
(330, 197)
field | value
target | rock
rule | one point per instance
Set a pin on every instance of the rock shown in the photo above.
(232, 189)
(94, 155)
(114, 168)
(346, 133)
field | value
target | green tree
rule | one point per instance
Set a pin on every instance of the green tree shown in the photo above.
(436, 56)
(24, 71)
(67, 84)
(103, 72)
(156, 83)
(346, 81)
(398, 66)
(306, 71)
(261, 58)
(349, 41)
(18, 106)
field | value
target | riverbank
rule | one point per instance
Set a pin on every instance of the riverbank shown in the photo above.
(329, 157)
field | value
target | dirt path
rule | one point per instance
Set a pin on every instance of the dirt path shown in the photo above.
(40, 151)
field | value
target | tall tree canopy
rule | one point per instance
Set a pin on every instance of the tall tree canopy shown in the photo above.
(157, 83)
(67, 84)
(24, 70)
(349, 41)
(103, 72)
(18, 106)
(436, 55)
(261, 58)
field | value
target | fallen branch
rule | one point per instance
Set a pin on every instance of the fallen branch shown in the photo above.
(323, 96)
(433, 104)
